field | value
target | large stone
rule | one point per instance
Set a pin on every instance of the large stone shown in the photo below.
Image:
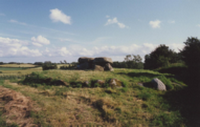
(102, 60)
(158, 84)
(108, 67)
(83, 66)
(115, 83)
(85, 60)
(98, 68)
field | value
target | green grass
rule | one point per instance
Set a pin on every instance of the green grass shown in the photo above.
(131, 105)
(11, 68)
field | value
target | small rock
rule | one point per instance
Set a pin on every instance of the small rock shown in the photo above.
(115, 83)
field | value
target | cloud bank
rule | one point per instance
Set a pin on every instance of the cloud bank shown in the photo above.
(20, 48)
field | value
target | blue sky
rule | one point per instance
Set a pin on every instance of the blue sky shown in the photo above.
(41, 30)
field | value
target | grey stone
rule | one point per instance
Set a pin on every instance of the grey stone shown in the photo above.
(83, 66)
(115, 83)
(98, 68)
(108, 67)
(103, 60)
(158, 84)
(85, 60)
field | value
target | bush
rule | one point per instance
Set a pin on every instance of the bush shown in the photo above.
(49, 66)
(161, 56)
(130, 61)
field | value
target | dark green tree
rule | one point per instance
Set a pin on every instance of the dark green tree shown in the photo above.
(191, 56)
(160, 57)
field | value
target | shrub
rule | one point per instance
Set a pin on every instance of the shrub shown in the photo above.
(49, 66)
(161, 56)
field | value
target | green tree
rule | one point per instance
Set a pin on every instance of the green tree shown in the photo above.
(191, 56)
(161, 56)
(133, 61)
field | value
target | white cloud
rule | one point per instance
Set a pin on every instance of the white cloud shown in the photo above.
(17, 22)
(15, 47)
(198, 25)
(155, 24)
(115, 21)
(176, 46)
(36, 44)
(40, 40)
(64, 52)
(58, 16)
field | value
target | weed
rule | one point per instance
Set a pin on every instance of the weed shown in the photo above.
(144, 96)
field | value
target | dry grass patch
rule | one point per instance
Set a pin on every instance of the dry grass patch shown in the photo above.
(17, 108)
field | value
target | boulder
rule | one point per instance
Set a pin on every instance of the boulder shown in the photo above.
(98, 68)
(102, 60)
(158, 84)
(85, 60)
(108, 67)
(115, 83)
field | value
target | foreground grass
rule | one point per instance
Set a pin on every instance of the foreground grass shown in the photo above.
(129, 106)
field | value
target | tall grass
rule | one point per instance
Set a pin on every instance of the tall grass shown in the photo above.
(131, 105)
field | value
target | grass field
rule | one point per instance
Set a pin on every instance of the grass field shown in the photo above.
(17, 65)
(132, 105)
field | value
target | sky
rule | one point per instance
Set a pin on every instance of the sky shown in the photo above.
(58, 30)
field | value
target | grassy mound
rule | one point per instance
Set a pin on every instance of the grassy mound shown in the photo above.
(131, 105)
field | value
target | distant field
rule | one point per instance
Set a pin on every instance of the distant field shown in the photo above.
(15, 69)
(11, 68)
(17, 65)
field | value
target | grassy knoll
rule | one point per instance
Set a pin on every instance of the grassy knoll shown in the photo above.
(131, 105)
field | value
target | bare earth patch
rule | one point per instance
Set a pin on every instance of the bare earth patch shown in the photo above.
(16, 107)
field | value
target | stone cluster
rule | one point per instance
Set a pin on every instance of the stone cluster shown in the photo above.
(97, 64)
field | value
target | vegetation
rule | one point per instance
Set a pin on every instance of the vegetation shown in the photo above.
(162, 56)
(48, 66)
(190, 55)
(131, 105)
(130, 61)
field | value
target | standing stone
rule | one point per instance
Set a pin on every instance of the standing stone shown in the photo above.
(85, 63)
(158, 84)
(102, 61)
(108, 67)
(85, 59)
(83, 66)
(98, 68)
